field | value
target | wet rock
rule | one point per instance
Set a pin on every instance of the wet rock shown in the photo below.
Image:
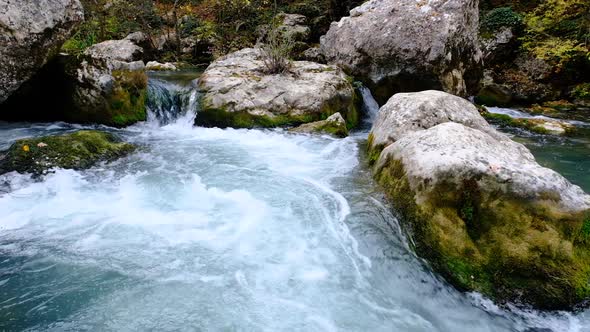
(32, 33)
(156, 66)
(236, 92)
(481, 209)
(334, 125)
(79, 150)
(536, 125)
(403, 45)
(110, 85)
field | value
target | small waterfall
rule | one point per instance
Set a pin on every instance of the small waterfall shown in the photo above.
(169, 101)
(370, 106)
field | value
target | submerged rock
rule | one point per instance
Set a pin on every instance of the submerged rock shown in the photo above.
(536, 125)
(237, 93)
(334, 125)
(481, 209)
(110, 85)
(79, 150)
(404, 45)
(32, 32)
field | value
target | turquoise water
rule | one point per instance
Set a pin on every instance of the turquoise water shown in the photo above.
(206, 229)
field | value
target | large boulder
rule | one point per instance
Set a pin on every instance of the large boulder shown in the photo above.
(482, 210)
(110, 84)
(79, 150)
(405, 45)
(236, 92)
(32, 31)
(408, 112)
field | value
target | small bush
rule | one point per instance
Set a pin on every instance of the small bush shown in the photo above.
(276, 52)
(501, 17)
(582, 91)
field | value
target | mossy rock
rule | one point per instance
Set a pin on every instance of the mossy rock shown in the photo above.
(126, 105)
(539, 126)
(236, 91)
(488, 218)
(122, 105)
(79, 150)
(208, 116)
(504, 247)
(335, 125)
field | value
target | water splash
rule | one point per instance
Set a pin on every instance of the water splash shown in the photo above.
(370, 106)
(168, 100)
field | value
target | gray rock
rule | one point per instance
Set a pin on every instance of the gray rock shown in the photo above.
(454, 152)
(113, 51)
(404, 45)
(156, 66)
(236, 92)
(32, 32)
(294, 27)
(314, 54)
(405, 113)
(499, 47)
(95, 84)
(478, 205)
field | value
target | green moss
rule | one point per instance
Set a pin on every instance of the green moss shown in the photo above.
(373, 152)
(78, 150)
(208, 116)
(507, 247)
(126, 105)
(501, 17)
(582, 91)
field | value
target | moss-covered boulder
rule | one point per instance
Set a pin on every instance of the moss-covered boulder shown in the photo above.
(236, 92)
(79, 150)
(335, 125)
(110, 85)
(485, 214)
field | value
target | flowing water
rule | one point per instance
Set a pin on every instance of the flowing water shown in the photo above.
(569, 155)
(222, 230)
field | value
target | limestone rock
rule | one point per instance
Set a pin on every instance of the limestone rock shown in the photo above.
(479, 207)
(110, 85)
(404, 45)
(156, 66)
(236, 92)
(32, 32)
(405, 113)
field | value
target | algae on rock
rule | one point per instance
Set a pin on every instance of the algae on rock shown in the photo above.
(78, 150)
(479, 207)
(236, 93)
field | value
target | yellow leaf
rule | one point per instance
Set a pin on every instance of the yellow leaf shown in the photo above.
(26, 148)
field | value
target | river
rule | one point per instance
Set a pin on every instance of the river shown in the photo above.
(206, 229)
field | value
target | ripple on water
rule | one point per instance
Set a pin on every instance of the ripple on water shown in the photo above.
(239, 230)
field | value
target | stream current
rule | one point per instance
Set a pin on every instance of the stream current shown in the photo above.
(206, 229)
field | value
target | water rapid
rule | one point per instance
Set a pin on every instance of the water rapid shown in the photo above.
(206, 229)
